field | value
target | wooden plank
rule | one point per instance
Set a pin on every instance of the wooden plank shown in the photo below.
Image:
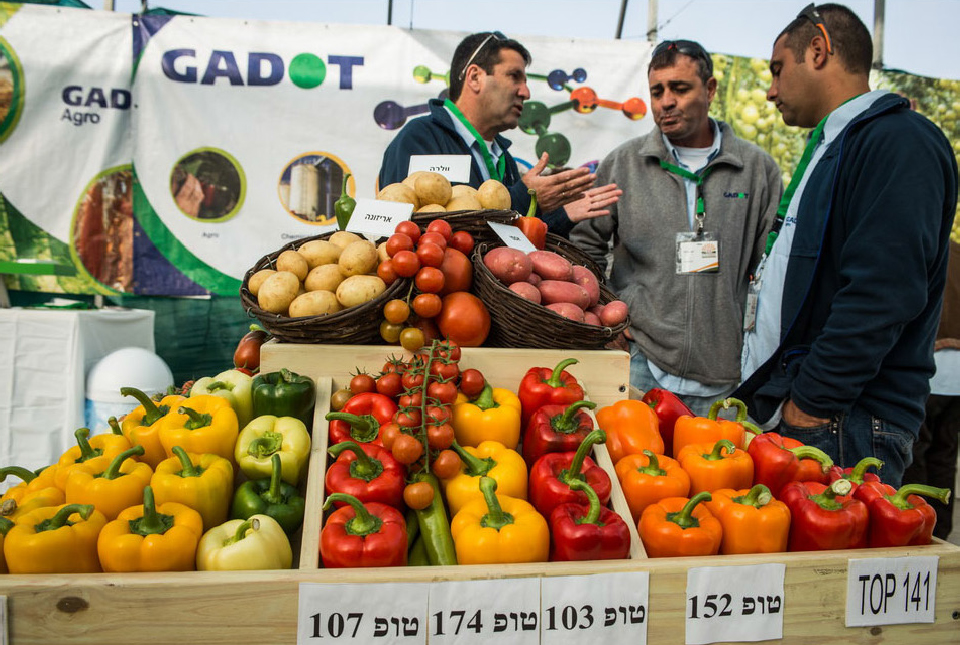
(313, 513)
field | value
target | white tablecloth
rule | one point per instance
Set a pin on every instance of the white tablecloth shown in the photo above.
(46, 354)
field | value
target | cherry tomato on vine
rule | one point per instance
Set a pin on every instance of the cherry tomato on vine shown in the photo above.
(427, 305)
(429, 280)
(434, 238)
(388, 434)
(462, 241)
(409, 418)
(363, 383)
(471, 382)
(412, 379)
(438, 414)
(430, 254)
(418, 495)
(406, 449)
(405, 263)
(411, 339)
(446, 464)
(442, 227)
(445, 392)
(448, 350)
(390, 332)
(386, 272)
(440, 437)
(408, 228)
(412, 400)
(445, 370)
(396, 311)
(389, 384)
(398, 242)
(394, 365)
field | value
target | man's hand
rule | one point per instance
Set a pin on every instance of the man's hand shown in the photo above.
(593, 203)
(558, 189)
(794, 416)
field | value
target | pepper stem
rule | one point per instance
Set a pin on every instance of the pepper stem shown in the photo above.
(495, 517)
(811, 452)
(827, 500)
(114, 426)
(475, 466)
(554, 380)
(363, 467)
(485, 400)
(363, 523)
(717, 453)
(113, 470)
(17, 471)
(61, 517)
(274, 494)
(187, 469)
(532, 210)
(363, 428)
(151, 411)
(265, 445)
(758, 497)
(899, 499)
(653, 465)
(195, 420)
(573, 470)
(726, 404)
(592, 516)
(151, 522)
(566, 423)
(86, 450)
(856, 475)
(241, 532)
(684, 517)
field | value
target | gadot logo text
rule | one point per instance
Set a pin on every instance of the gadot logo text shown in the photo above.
(306, 70)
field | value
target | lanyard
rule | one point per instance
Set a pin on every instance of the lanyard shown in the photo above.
(698, 181)
(496, 171)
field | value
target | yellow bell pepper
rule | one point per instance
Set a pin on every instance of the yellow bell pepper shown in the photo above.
(257, 542)
(151, 537)
(55, 539)
(31, 485)
(202, 482)
(266, 435)
(97, 449)
(202, 424)
(232, 385)
(499, 529)
(490, 459)
(49, 496)
(141, 425)
(5, 525)
(493, 416)
(112, 488)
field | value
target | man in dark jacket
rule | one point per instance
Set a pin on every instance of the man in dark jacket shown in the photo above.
(488, 86)
(850, 292)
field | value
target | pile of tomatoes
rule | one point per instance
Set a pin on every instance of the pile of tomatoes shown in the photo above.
(439, 303)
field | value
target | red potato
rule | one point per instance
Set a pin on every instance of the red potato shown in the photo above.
(552, 291)
(613, 313)
(595, 310)
(508, 265)
(567, 310)
(550, 266)
(527, 291)
(591, 318)
(534, 279)
(588, 280)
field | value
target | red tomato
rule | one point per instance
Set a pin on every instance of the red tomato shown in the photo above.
(471, 382)
(363, 383)
(398, 242)
(430, 254)
(429, 280)
(462, 241)
(386, 272)
(457, 270)
(427, 305)
(428, 327)
(464, 319)
(443, 392)
(406, 449)
(389, 384)
(445, 370)
(418, 495)
(408, 228)
(446, 464)
(405, 263)
(442, 227)
(435, 238)
(440, 437)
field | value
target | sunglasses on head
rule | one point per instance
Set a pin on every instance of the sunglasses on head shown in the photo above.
(687, 48)
(810, 13)
(493, 34)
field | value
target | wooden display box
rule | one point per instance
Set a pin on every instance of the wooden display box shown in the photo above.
(261, 606)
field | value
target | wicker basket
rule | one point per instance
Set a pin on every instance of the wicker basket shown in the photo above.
(359, 325)
(517, 322)
(473, 222)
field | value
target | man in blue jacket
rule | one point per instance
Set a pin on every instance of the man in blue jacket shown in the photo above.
(850, 291)
(488, 86)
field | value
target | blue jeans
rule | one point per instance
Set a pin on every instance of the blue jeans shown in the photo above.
(642, 378)
(851, 436)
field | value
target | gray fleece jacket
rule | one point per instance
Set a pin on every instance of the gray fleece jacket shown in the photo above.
(688, 325)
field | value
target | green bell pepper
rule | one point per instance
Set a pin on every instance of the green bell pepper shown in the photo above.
(270, 496)
(284, 394)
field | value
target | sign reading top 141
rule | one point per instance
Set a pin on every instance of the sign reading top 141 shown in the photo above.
(306, 70)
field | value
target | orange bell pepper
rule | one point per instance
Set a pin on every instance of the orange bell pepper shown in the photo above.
(648, 478)
(680, 527)
(140, 425)
(111, 489)
(55, 539)
(710, 469)
(710, 429)
(202, 424)
(631, 428)
(102, 447)
(752, 520)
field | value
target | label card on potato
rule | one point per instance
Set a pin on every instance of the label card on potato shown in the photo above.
(376, 218)
(456, 168)
(512, 237)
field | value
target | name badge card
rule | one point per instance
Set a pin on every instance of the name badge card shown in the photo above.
(359, 613)
(512, 237)
(376, 218)
(697, 253)
(456, 168)
(891, 591)
(729, 604)
(485, 611)
(609, 608)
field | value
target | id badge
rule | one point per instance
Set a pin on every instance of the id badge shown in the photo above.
(697, 253)
(750, 307)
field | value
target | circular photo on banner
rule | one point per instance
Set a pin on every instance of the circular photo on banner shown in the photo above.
(11, 89)
(103, 229)
(208, 185)
(311, 184)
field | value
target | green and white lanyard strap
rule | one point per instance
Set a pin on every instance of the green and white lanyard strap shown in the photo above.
(496, 170)
(698, 180)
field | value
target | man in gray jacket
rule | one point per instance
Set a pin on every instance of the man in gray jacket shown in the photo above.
(692, 223)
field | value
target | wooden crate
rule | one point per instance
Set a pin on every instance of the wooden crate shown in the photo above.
(261, 606)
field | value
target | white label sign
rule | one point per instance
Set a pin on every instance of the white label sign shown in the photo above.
(512, 237)
(456, 168)
(358, 613)
(378, 218)
(891, 591)
(727, 604)
(610, 608)
(485, 611)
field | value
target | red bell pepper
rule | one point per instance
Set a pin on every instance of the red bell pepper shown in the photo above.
(556, 428)
(856, 474)
(776, 460)
(368, 472)
(668, 408)
(361, 418)
(363, 535)
(900, 517)
(551, 475)
(541, 386)
(592, 532)
(824, 517)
